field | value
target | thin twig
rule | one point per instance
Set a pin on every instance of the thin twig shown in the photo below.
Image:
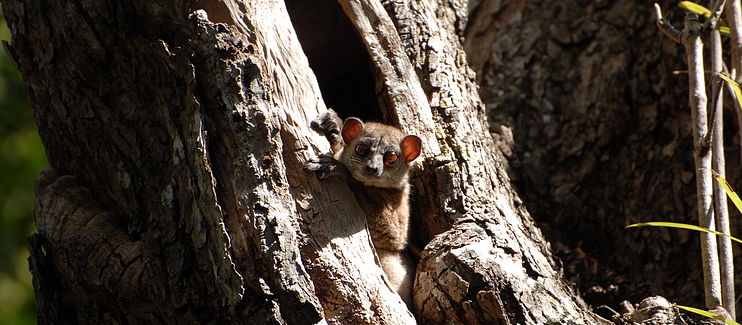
(717, 104)
(716, 10)
(665, 26)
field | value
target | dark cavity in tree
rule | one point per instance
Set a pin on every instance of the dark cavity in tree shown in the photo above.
(338, 57)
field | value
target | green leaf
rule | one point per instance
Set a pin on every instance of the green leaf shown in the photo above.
(727, 188)
(682, 226)
(735, 86)
(707, 314)
(694, 7)
(703, 11)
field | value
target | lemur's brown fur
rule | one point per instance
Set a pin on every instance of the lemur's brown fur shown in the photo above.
(378, 158)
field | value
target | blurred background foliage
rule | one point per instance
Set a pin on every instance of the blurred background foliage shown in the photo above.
(21, 159)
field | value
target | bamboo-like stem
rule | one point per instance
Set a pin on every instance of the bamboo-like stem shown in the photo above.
(690, 37)
(719, 165)
(733, 17)
(717, 7)
(733, 14)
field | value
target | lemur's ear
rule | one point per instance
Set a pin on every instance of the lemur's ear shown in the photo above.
(411, 146)
(351, 128)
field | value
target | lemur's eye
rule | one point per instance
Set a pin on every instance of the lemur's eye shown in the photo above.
(361, 149)
(390, 158)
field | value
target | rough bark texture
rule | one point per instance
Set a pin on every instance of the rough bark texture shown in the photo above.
(191, 136)
(493, 264)
(176, 139)
(582, 99)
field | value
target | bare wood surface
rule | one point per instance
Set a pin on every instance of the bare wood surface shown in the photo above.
(596, 128)
(493, 257)
(180, 147)
(220, 137)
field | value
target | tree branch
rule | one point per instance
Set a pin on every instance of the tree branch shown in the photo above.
(716, 11)
(691, 39)
(719, 165)
(665, 26)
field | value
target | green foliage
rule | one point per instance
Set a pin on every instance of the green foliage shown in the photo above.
(707, 314)
(738, 95)
(682, 226)
(724, 184)
(21, 159)
(703, 11)
(737, 202)
(694, 7)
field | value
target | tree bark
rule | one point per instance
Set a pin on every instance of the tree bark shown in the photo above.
(585, 102)
(176, 138)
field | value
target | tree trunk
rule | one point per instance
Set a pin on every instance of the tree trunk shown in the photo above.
(176, 139)
(596, 126)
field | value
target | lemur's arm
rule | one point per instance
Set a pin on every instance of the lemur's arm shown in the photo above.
(325, 165)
